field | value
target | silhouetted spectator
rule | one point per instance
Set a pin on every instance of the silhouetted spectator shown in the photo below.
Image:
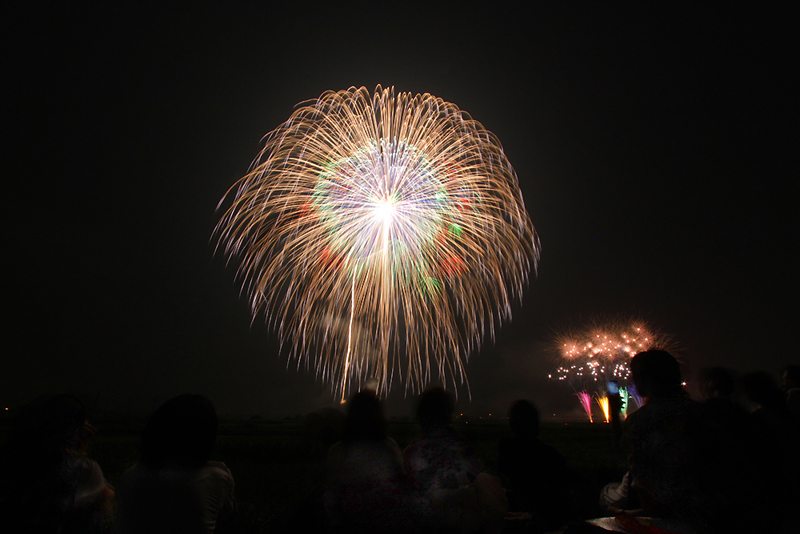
(762, 390)
(718, 405)
(790, 384)
(698, 463)
(717, 382)
(535, 472)
(175, 487)
(778, 435)
(366, 487)
(771, 415)
(322, 429)
(442, 458)
(727, 418)
(47, 484)
(669, 467)
(657, 379)
(447, 475)
(738, 460)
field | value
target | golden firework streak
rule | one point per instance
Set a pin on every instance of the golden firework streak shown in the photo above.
(349, 336)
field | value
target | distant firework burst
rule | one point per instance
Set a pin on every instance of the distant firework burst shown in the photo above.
(598, 354)
(602, 352)
(383, 234)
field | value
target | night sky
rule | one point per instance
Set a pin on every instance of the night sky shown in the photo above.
(656, 148)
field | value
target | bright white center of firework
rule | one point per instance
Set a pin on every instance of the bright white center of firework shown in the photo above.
(385, 202)
(384, 212)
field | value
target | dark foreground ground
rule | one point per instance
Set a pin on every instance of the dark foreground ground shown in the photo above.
(278, 465)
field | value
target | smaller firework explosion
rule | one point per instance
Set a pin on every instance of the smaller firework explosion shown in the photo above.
(601, 353)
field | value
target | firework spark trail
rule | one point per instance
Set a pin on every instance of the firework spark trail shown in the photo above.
(602, 401)
(586, 402)
(633, 394)
(402, 206)
(624, 402)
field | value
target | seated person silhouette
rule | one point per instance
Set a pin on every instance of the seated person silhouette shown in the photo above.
(535, 472)
(455, 493)
(790, 385)
(442, 459)
(776, 432)
(366, 487)
(175, 487)
(47, 483)
(665, 434)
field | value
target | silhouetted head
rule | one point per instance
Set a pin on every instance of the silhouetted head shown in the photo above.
(183, 432)
(760, 388)
(718, 382)
(365, 420)
(791, 377)
(523, 418)
(656, 374)
(435, 409)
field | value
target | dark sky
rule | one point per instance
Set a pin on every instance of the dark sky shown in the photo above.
(656, 149)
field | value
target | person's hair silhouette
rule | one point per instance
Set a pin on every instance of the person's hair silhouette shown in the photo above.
(183, 431)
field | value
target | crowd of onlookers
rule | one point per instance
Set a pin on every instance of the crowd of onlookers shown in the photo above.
(692, 467)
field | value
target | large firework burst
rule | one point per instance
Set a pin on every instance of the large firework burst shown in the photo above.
(381, 233)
